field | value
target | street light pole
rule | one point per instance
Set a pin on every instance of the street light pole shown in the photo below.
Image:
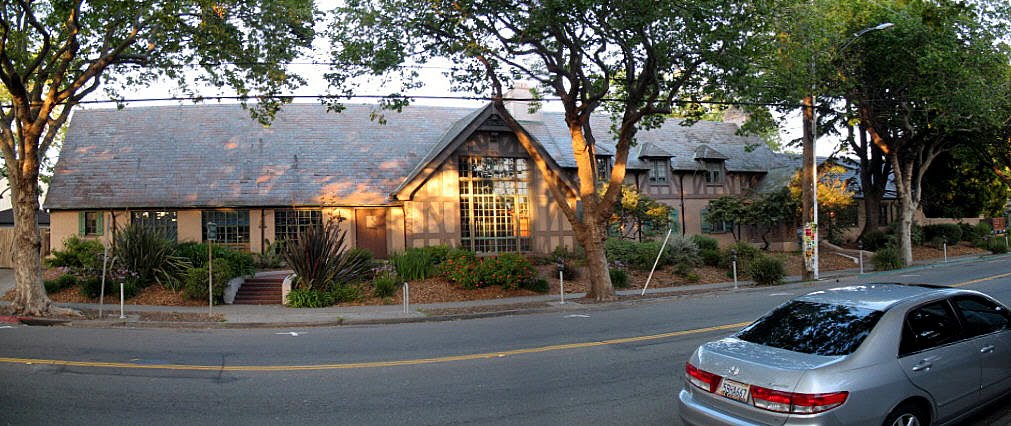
(810, 163)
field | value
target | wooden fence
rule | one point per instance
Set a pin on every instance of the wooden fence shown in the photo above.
(7, 246)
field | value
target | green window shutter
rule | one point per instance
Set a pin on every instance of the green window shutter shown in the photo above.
(99, 223)
(80, 223)
(706, 227)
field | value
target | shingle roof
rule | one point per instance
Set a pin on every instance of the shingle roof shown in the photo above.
(216, 156)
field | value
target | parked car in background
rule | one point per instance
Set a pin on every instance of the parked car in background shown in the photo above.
(891, 354)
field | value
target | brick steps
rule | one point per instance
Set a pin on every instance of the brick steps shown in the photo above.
(260, 290)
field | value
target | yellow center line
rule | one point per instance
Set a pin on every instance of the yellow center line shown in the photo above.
(375, 364)
(994, 277)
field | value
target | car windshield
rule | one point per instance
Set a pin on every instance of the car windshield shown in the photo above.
(813, 328)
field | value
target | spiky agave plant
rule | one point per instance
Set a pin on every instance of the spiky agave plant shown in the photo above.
(320, 260)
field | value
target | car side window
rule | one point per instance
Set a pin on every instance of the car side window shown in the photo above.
(929, 326)
(982, 316)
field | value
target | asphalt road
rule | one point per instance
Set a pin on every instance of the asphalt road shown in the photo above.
(618, 365)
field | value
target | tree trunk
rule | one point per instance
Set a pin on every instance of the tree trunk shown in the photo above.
(601, 288)
(872, 212)
(30, 295)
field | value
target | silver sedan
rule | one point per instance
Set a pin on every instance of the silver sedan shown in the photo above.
(890, 354)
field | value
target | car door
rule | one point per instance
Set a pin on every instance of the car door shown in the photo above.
(986, 325)
(934, 357)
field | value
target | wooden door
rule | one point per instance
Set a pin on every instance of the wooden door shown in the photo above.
(370, 227)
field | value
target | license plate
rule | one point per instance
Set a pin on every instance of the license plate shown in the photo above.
(734, 390)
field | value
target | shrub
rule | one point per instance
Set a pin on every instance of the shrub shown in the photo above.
(968, 232)
(92, 286)
(147, 253)
(460, 268)
(415, 263)
(78, 253)
(319, 259)
(682, 252)
(745, 254)
(384, 286)
(619, 278)
(886, 259)
(347, 293)
(60, 283)
(507, 270)
(710, 257)
(982, 230)
(706, 243)
(196, 280)
(310, 298)
(577, 254)
(997, 246)
(271, 258)
(637, 255)
(766, 270)
(874, 240)
(539, 285)
(196, 253)
(945, 231)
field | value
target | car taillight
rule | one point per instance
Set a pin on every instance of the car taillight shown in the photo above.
(796, 403)
(702, 379)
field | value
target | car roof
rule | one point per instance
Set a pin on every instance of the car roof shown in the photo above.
(876, 296)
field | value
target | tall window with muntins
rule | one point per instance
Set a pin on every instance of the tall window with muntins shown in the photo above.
(603, 169)
(289, 223)
(658, 171)
(714, 173)
(494, 204)
(161, 221)
(233, 227)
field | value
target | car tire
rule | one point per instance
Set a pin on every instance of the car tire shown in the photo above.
(907, 415)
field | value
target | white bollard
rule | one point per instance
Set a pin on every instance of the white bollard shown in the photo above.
(407, 297)
(735, 274)
(561, 287)
(945, 252)
(122, 302)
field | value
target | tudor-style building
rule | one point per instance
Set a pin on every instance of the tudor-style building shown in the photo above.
(429, 175)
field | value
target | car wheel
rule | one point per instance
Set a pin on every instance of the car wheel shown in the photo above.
(907, 415)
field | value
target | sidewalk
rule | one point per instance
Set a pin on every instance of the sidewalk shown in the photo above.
(250, 316)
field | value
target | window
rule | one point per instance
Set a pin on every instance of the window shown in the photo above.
(711, 228)
(714, 172)
(658, 169)
(982, 316)
(233, 227)
(289, 223)
(494, 204)
(90, 223)
(603, 168)
(163, 222)
(813, 328)
(883, 211)
(928, 327)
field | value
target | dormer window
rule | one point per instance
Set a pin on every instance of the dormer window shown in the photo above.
(659, 168)
(714, 172)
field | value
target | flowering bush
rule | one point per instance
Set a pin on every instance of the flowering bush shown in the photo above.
(509, 270)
